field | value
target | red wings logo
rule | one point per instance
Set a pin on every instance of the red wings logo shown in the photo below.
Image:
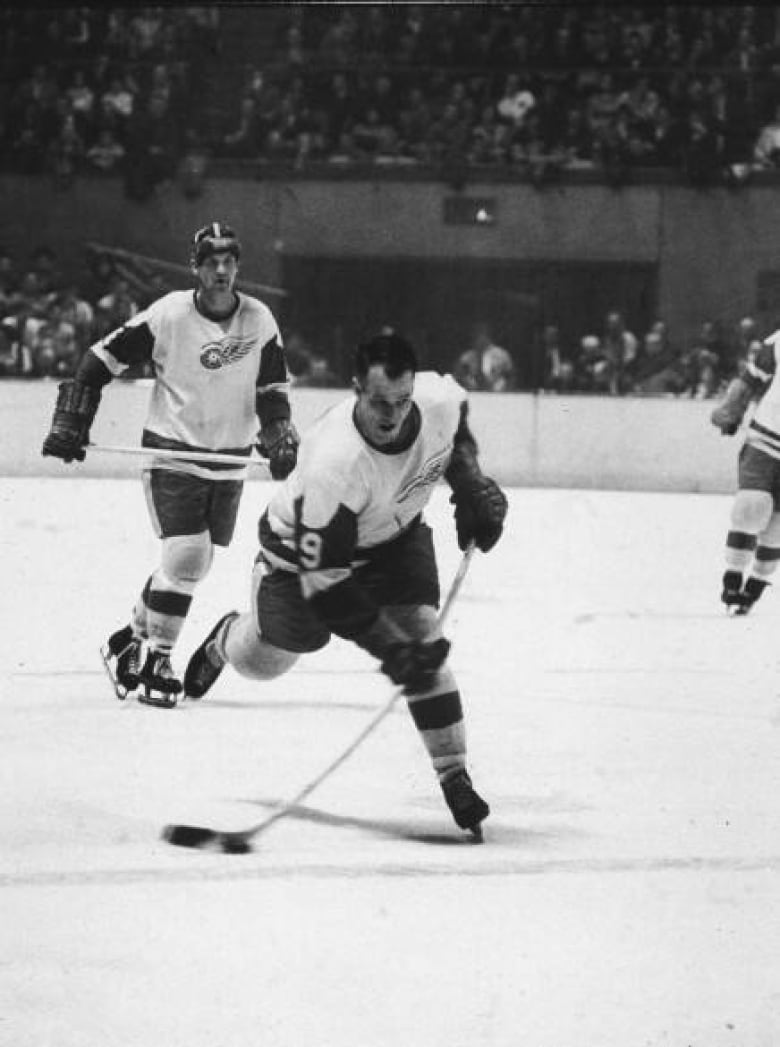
(428, 475)
(222, 354)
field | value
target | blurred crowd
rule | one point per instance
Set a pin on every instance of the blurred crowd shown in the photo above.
(150, 94)
(525, 87)
(49, 318)
(614, 361)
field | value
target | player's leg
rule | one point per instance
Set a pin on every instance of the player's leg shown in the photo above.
(764, 564)
(406, 584)
(181, 508)
(751, 512)
(260, 644)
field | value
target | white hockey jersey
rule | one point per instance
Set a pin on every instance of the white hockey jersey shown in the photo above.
(346, 497)
(763, 430)
(208, 374)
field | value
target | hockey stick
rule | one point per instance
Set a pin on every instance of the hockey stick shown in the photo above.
(211, 457)
(239, 841)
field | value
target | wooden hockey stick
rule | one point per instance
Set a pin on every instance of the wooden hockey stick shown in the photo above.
(211, 457)
(239, 841)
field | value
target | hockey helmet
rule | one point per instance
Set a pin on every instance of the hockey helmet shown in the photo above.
(214, 237)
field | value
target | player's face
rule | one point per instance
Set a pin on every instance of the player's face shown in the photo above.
(383, 405)
(217, 272)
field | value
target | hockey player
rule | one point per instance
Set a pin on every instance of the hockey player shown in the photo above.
(753, 539)
(344, 549)
(220, 373)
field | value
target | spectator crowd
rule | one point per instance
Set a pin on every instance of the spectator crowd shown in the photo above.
(149, 94)
(529, 88)
(48, 319)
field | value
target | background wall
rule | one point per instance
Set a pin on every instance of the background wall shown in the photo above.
(711, 248)
(533, 441)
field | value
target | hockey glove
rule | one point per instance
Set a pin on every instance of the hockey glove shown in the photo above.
(728, 415)
(278, 443)
(74, 413)
(413, 664)
(480, 508)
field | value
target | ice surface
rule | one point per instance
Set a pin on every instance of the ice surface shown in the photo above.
(622, 727)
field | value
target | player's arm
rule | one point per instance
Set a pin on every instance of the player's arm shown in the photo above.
(279, 438)
(325, 555)
(480, 504)
(78, 397)
(749, 385)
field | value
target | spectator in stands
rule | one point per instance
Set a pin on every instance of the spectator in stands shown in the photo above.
(559, 374)
(746, 342)
(43, 263)
(56, 350)
(516, 101)
(81, 98)
(115, 308)
(246, 140)
(766, 152)
(708, 363)
(619, 346)
(77, 311)
(117, 103)
(153, 148)
(15, 359)
(9, 282)
(592, 370)
(485, 365)
(66, 153)
(657, 369)
(106, 155)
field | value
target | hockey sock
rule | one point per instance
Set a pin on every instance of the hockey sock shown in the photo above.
(438, 716)
(765, 565)
(164, 608)
(740, 547)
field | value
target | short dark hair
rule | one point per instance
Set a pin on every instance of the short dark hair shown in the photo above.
(391, 350)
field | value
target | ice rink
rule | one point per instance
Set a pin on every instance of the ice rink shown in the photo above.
(623, 729)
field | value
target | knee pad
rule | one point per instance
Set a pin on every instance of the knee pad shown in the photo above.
(771, 534)
(186, 559)
(751, 511)
(251, 656)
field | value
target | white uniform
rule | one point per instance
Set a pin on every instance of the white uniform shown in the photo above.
(346, 497)
(763, 430)
(208, 374)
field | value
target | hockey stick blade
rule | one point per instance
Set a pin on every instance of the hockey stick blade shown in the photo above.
(199, 838)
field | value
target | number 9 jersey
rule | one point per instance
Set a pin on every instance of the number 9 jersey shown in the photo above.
(347, 498)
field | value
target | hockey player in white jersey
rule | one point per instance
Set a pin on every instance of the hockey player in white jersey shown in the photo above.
(220, 385)
(753, 540)
(344, 550)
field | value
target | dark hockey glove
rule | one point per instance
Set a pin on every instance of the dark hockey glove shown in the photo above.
(413, 664)
(728, 415)
(480, 508)
(278, 443)
(74, 413)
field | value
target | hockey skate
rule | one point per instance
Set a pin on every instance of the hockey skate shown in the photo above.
(121, 656)
(159, 684)
(468, 808)
(750, 594)
(205, 665)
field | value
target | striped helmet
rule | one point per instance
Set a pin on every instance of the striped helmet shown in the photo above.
(214, 237)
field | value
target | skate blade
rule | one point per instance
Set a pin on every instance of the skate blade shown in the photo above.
(159, 699)
(120, 691)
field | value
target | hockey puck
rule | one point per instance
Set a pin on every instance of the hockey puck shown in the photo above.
(188, 835)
